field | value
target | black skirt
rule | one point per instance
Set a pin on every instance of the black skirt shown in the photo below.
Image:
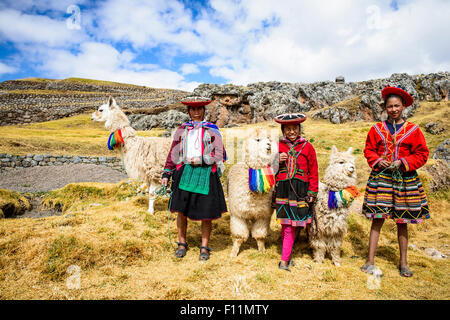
(196, 206)
(292, 209)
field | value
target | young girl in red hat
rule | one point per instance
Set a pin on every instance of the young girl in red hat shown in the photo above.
(394, 150)
(296, 182)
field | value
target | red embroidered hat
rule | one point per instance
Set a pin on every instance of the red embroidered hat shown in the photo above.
(398, 91)
(195, 101)
(290, 118)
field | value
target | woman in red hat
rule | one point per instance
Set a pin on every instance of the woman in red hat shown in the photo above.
(296, 182)
(195, 162)
(394, 150)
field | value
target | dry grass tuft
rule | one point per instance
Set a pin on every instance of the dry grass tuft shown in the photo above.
(12, 203)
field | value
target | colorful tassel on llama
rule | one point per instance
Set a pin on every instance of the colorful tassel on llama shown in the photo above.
(342, 198)
(260, 180)
(115, 140)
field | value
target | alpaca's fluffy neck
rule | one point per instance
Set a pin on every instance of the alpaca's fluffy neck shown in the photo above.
(258, 161)
(337, 182)
(119, 120)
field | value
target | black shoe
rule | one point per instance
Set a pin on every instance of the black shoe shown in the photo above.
(204, 255)
(181, 252)
(283, 267)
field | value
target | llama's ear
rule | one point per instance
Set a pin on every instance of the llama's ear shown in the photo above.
(112, 102)
(334, 150)
(350, 150)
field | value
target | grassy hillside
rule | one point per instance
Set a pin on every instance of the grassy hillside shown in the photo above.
(77, 135)
(125, 253)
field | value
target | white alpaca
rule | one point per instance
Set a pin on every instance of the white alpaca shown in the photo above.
(143, 157)
(327, 234)
(246, 206)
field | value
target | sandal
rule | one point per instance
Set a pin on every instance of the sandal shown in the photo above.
(284, 267)
(372, 269)
(204, 255)
(405, 272)
(367, 268)
(181, 252)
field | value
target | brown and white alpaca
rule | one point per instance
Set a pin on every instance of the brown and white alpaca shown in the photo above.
(251, 211)
(143, 157)
(330, 224)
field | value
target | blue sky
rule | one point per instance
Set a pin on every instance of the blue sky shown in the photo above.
(181, 43)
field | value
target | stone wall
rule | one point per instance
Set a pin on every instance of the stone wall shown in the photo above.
(9, 161)
(24, 101)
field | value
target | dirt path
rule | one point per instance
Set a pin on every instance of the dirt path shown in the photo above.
(37, 179)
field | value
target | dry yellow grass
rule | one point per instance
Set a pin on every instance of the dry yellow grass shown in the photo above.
(125, 253)
(77, 135)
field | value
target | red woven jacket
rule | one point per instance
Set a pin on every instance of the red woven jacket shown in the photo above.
(305, 166)
(408, 145)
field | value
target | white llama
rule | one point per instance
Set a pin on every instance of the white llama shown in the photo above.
(332, 206)
(143, 157)
(246, 206)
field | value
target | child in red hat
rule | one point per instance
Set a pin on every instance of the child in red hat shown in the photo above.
(297, 182)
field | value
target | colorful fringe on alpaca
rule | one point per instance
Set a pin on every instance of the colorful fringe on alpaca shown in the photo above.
(115, 140)
(260, 180)
(343, 198)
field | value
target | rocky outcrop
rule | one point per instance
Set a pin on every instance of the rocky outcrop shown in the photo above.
(440, 175)
(442, 151)
(434, 127)
(25, 101)
(335, 101)
(166, 119)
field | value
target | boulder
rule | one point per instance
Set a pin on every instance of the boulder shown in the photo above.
(442, 151)
(440, 175)
(434, 127)
(167, 119)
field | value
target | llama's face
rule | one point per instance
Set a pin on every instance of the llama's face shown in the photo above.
(102, 113)
(111, 114)
(341, 171)
(258, 150)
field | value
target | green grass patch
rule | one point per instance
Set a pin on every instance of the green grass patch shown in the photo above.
(63, 252)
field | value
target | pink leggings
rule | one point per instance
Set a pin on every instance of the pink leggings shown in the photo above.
(287, 238)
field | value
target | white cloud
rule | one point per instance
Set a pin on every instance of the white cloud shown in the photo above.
(18, 27)
(4, 69)
(41, 5)
(103, 62)
(147, 24)
(315, 41)
(189, 68)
